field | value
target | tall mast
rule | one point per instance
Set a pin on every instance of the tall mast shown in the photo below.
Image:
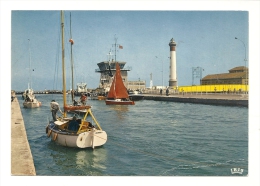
(71, 60)
(63, 63)
(30, 67)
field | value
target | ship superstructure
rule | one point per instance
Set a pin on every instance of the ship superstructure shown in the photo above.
(81, 87)
(107, 70)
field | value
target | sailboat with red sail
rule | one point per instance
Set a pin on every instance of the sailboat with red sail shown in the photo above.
(117, 94)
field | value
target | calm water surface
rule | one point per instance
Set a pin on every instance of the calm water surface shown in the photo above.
(151, 138)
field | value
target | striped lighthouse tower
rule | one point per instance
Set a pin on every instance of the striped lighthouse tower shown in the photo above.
(173, 74)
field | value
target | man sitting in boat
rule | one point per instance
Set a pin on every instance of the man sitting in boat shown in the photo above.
(75, 103)
(90, 125)
(54, 109)
(73, 124)
(83, 99)
(27, 98)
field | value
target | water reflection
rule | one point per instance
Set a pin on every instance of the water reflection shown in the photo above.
(96, 159)
(120, 110)
(82, 161)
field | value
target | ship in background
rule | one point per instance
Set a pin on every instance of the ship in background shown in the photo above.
(107, 69)
(81, 88)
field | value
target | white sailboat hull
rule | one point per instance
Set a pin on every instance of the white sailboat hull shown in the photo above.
(29, 99)
(34, 104)
(93, 138)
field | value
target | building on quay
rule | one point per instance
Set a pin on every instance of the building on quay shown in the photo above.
(136, 85)
(236, 81)
(236, 75)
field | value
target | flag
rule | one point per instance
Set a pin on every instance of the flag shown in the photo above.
(120, 47)
(71, 41)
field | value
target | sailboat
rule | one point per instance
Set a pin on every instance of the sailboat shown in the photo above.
(75, 131)
(30, 100)
(117, 94)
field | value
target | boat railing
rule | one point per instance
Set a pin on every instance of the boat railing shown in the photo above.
(106, 69)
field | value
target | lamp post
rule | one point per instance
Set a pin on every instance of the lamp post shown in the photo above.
(162, 71)
(246, 79)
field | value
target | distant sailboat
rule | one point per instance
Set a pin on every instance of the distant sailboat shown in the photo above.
(30, 100)
(117, 94)
(75, 131)
(135, 95)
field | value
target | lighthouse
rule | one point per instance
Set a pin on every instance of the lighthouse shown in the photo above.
(173, 74)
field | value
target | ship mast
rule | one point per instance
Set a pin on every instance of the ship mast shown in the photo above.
(63, 63)
(115, 47)
(71, 59)
(30, 67)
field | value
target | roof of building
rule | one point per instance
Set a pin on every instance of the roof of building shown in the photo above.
(104, 66)
(238, 68)
(225, 76)
(234, 73)
(111, 62)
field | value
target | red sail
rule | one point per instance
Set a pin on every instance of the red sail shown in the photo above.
(117, 89)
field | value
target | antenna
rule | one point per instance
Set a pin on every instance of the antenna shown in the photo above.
(109, 55)
(109, 67)
(196, 73)
(116, 45)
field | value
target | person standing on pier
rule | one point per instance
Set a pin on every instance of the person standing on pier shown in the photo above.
(12, 98)
(54, 109)
(167, 92)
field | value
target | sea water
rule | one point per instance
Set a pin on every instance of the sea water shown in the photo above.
(150, 138)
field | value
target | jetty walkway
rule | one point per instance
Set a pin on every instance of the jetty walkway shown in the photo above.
(21, 157)
(207, 99)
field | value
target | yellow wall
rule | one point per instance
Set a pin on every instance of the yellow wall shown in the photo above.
(213, 88)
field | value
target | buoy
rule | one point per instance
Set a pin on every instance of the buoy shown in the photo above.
(49, 133)
(55, 136)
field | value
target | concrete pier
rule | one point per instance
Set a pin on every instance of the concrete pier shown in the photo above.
(21, 157)
(207, 99)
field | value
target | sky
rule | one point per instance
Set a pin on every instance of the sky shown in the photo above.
(204, 39)
(205, 33)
